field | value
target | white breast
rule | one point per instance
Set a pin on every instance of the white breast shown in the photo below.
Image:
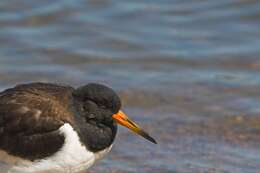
(72, 158)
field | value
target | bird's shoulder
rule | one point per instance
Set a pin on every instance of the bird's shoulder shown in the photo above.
(30, 116)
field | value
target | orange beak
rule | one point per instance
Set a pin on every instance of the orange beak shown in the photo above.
(123, 120)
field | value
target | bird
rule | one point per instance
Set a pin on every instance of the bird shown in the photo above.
(56, 128)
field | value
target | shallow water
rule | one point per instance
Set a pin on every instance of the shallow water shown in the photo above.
(188, 71)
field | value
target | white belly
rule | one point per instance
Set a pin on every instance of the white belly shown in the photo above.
(72, 158)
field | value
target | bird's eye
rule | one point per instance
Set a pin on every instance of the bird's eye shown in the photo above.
(91, 116)
(102, 107)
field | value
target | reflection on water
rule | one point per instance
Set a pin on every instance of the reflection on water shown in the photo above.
(188, 71)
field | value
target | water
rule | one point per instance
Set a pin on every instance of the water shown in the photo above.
(188, 71)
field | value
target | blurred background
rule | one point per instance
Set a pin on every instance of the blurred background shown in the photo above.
(188, 71)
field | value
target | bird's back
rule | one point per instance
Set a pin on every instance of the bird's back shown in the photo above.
(30, 118)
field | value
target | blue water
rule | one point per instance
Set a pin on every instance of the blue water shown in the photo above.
(188, 71)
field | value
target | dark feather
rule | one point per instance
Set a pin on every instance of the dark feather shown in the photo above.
(30, 116)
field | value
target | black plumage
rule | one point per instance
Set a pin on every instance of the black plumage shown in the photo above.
(31, 114)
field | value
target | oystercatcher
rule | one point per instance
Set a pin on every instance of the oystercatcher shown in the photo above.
(51, 128)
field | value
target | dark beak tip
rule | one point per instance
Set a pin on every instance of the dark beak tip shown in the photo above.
(153, 140)
(149, 138)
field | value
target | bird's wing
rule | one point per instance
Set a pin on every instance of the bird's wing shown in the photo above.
(29, 123)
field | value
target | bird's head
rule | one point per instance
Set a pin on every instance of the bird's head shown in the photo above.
(102, 105)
